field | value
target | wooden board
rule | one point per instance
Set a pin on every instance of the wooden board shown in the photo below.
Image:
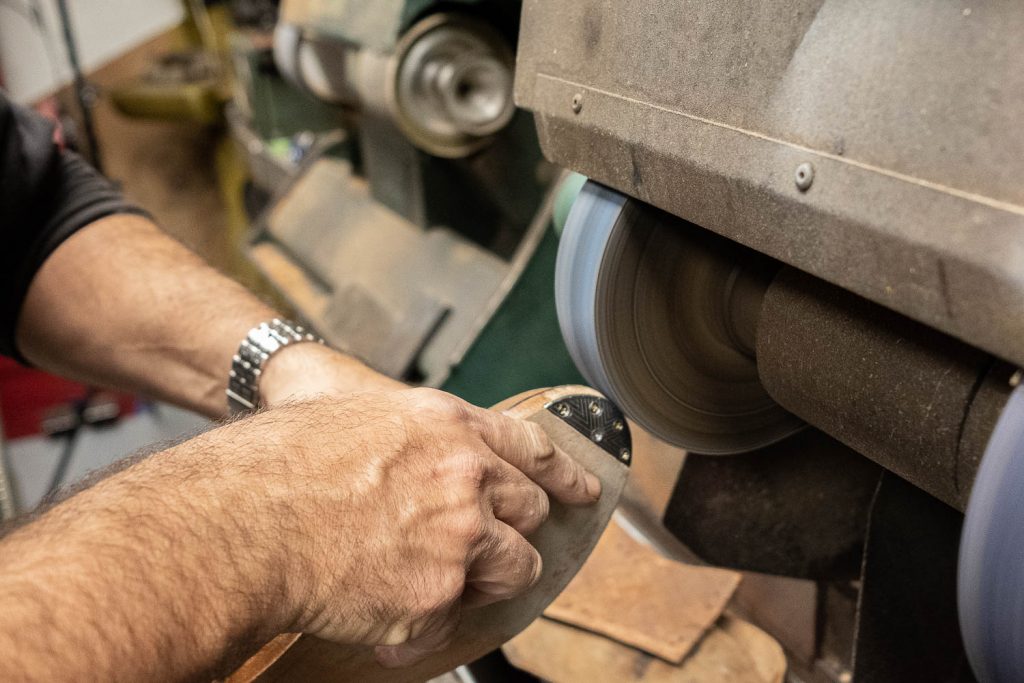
(564, 542)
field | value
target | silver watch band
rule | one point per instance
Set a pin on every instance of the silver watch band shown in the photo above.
(262, 342)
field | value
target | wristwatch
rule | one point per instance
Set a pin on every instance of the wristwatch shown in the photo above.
(262, 342)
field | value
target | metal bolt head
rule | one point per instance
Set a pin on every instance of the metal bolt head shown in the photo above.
(595, 408)
(597, 435)
(1015, 379)
(804, 176)
(618, 425)
(625, 455)
(563, 410)
(577, 103)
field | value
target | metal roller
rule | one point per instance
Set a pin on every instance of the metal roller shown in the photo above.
(452, 84)
(316, 65)
(914, 400)
(662, 318)
(446, 84)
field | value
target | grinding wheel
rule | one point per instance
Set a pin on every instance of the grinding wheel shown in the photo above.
(586, 426)
(990, 590)
(661, 316)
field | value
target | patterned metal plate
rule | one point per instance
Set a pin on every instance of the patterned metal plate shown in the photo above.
(599, 420)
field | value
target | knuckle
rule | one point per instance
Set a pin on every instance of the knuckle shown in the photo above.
(469, 468)
(469, 526)
(438, 402)
(543, 507)
(572, 476)
(536, 511)
(541, 444)
(530, 569)
(522, 565)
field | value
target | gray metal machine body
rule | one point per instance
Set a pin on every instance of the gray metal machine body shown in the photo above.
(907, 113)
(872, 150)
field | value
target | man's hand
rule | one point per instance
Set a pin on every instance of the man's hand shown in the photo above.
(371, 519)
(400, 502)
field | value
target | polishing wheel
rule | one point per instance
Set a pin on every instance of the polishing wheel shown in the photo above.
(990, 585)
(661, 316)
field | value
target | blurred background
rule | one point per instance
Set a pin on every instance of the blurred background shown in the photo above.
(154, 92)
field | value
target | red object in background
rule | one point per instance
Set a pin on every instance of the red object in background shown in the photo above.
(50, 108)
(27, 395)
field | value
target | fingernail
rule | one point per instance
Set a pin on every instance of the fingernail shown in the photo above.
(593, 486)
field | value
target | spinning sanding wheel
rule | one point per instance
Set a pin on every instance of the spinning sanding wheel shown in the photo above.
(991, 570)
(662, 318)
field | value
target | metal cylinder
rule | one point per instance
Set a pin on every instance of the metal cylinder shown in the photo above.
(452, 84)
(317, 66)
(447, 84)
(914, 400)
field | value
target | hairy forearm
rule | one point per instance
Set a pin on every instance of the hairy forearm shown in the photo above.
(358, 520)
(121, 304)
(152, 574)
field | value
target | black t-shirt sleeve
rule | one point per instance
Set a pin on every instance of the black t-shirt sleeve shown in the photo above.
(46, 195)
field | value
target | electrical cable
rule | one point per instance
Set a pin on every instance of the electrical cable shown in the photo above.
(83, 91)
(64, 462)
(70, 442)
(8, 502)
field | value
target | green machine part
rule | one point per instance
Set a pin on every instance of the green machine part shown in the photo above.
(521, 347)
(568, 190)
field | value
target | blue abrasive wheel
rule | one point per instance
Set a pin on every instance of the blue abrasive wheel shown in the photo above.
(660, 315)
(990, 590)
